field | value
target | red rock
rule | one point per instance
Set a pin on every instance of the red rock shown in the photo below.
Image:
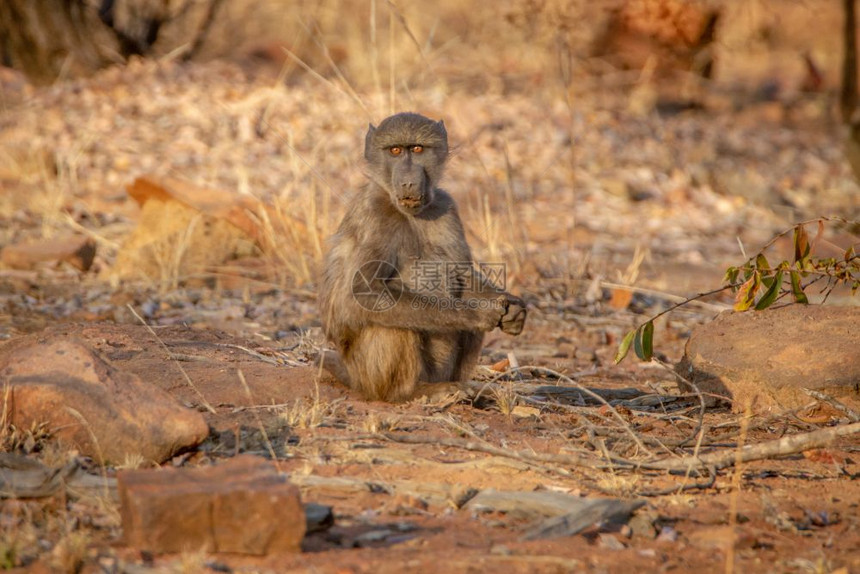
(766, 358)
(242, 506)
(77, 250)
(107, 414)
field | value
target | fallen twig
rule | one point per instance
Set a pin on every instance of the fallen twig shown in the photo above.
(792, 444)
(188, 380)
(717, 460)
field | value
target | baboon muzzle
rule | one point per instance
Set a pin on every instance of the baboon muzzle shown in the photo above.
(410, 186)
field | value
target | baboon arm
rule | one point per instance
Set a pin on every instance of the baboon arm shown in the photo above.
(409, 310)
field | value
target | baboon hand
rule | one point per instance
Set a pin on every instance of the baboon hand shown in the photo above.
(515, 315)
(492, 310)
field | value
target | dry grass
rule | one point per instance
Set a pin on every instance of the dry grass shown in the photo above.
(70, 552)
(307, 413)
(506, 397)
(376, 422)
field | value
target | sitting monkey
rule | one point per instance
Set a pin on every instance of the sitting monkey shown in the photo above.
(400, 297)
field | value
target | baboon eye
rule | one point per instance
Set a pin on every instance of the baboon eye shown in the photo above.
(417, 148)
(396, 150)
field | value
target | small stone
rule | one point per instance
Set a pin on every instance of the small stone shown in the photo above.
(642, 525)
(243, 506)
(523, 412)
(405, 504)
(610, 542)
(667, 534)
(372, 537)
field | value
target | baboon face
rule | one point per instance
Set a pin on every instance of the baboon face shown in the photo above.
(406, 155)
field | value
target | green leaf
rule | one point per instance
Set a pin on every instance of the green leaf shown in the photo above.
(761, 262)
(849, 254)
(797, 289)
(731, 275)
(771, 294)
(643, 342)
(624, 347)
(746, 293)
(637, 345)
(648, 340)
(801, 243)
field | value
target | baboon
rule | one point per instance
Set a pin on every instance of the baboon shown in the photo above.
(400, 297)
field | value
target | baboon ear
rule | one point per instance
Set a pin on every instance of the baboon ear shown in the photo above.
(444, 132)
(368, 139)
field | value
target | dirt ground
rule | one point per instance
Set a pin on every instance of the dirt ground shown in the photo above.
(794, 514)
(607, 202)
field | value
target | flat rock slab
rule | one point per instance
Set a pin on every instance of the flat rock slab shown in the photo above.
(242, 506)
(77, 250)
(768, 357)
(107, 414)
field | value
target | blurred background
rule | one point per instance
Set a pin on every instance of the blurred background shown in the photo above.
(645, 143)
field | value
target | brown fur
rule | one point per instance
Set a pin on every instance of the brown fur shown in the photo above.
(402, 219)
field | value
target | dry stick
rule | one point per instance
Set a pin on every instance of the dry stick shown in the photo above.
(325, 80)
(188, 380)
(712, 478)
(736, 484)
(448, 420)
(255, 354)
(663, 294)
(586, 391)
(402, 19)
(316, 33)
(524, 456)
(787, 445)
(101, 458)
(374, 49)
(853, 415)
(716, 460)
(392, 62)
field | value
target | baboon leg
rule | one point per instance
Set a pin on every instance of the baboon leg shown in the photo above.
(447, 363)
(384, 363)
(449, 357)
(470, 351)
(438, 357)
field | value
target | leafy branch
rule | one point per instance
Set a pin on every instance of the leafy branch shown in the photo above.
(758, 284)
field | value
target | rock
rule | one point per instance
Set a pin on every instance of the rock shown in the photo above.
(722, 538)
(177, 237)
(107, 414)
(77, 250)
(242, 506)
(666, 34)
(768, 357)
